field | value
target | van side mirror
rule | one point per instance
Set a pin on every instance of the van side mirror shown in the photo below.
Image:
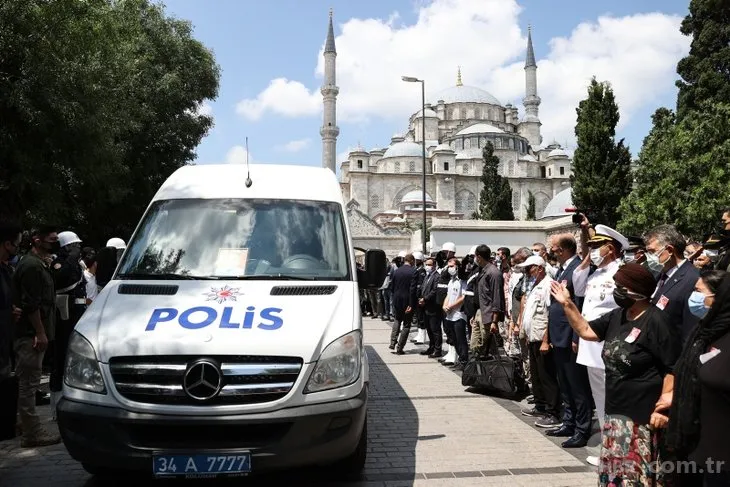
(375, 269)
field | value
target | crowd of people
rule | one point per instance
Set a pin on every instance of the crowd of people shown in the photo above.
(47, 279)
(631, 328)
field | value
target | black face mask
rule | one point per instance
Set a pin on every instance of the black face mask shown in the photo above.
(622, 298)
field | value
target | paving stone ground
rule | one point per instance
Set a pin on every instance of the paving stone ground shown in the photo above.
(424, 430)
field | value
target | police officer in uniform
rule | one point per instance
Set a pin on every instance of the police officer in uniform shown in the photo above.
(70, 284)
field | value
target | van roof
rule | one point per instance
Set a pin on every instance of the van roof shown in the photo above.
(270, 181)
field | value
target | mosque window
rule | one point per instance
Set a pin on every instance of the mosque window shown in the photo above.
(515, 199)
(467, 143)
(471, 203)
(374, 202)
(465, 168)
(562, 171)
(511, 168)
(397, 167)
(512, 144)
(412, 166)
(359, 163)
(446, 166)
(542, 172)
(550, 171)
(499, 142)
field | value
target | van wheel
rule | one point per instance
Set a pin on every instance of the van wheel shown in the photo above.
(351, 467)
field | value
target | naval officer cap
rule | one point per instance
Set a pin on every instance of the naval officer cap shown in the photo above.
(606, 234)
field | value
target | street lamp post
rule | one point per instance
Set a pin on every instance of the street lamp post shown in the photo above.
(410, 79)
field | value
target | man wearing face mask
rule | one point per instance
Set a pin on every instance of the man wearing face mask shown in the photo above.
(68, 278)
(490, 291)
(676, 277)
(35, 295)
(593, 281)
(432, 310)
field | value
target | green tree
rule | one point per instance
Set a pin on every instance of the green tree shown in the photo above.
(682, 172)
(495, 199)
(601, 167)
(531, 207)
(705, 72)
(98, 102)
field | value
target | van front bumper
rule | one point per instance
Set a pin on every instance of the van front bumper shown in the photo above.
(114, 438)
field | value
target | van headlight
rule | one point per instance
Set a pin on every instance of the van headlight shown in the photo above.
(82, 368)
(339, 364)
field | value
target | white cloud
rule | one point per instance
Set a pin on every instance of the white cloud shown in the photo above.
(237, 155)
(636, 53)
(295, 145)
(284, 97)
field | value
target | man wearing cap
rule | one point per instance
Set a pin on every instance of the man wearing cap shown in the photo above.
(68, 278)
(534, 321)
(602, 250)
(676, 277)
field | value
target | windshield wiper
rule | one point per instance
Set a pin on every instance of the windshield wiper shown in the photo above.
(165, 277)
(266, 277)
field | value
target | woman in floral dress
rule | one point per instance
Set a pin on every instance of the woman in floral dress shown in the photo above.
(639, 353)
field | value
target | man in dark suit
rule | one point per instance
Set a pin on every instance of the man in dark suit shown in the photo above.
(432, 311)
(677, 276)
(572, 377)
(405, 300)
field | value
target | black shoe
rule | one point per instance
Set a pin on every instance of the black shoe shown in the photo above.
(562, 432)
(448, 364)
(575, 441)
(392, 347)
(385, 318)
(458, 366)
(533, 413)
(437, 355)
(428, 351)
(548, 422)
(399, 352)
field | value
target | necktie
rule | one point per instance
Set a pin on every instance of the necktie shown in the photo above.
(559, 273)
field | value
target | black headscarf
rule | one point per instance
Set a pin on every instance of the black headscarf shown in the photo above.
(683, 431)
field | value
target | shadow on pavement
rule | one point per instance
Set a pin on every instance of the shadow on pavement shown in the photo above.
(392, 437)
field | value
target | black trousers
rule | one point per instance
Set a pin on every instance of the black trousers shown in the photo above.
(544, 380)
(459, 335)
(575, 391)
(433, 329)
(421, 318)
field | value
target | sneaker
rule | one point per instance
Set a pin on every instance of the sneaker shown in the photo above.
(45, 438)
(593, 461)
(533, 413)
(548, 422)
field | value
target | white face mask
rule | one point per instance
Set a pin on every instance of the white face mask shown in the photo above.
(629, 257)
(428, 268)
(535, 252)
(596, 257)
(452, 271)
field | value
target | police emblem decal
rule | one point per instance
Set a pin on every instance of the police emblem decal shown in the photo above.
(221, 295)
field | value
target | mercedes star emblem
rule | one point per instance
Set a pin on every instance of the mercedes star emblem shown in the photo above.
(203, 380)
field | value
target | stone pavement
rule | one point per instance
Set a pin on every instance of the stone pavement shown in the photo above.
(424, 431)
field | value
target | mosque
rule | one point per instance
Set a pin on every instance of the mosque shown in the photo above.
(383, 184)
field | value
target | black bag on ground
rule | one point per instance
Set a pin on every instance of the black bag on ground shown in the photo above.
(8, 407)
(496, 374)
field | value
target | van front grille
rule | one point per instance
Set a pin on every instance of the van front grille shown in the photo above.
(243, 379)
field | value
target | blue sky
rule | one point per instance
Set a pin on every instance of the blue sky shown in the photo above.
(633, 44)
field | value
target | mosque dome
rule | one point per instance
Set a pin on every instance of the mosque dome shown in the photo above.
(466, 94)
(556, 207)
(480, 128)
(429, 113)
(558, 153)
(404, 149)
(416, 196)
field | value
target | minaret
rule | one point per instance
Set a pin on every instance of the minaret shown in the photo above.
(329, 130)
(531, 123)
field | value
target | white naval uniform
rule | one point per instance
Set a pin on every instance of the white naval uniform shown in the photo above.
(597, 291)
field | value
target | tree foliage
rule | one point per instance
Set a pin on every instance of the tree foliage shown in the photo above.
(98, 102)
(601, 167)
(495, 199)
(683, 172)
(705, 71)
(531, 207)
(684, 165)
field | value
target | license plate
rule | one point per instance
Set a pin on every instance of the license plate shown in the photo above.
(201, 465)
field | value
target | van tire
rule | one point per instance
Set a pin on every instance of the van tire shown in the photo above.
(351, 467)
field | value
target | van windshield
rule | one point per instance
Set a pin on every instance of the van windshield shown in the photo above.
(238, 239)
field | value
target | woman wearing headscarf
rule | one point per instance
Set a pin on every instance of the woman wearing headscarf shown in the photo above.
(699, 415)
(639, 353)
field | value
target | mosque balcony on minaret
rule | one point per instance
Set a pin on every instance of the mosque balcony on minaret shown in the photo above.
(329, 90)
(329, 132)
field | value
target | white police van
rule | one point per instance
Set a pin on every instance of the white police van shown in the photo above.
(230, 339)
